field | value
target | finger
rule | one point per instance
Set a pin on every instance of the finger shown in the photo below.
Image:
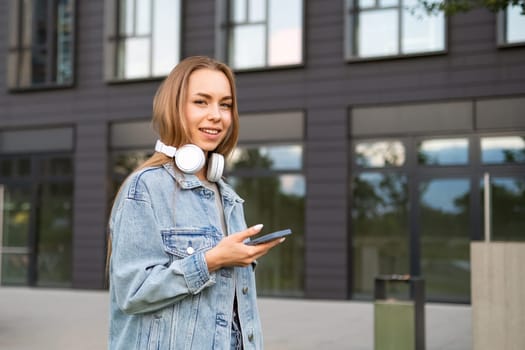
(250, 231)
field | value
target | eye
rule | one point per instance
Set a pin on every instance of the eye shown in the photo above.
(226, 105)
(200, 102)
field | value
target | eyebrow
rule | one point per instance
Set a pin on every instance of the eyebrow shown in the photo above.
(203, 94)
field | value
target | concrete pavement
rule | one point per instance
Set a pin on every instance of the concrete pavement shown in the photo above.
(46, 319)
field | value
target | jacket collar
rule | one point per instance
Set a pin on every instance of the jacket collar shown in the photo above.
(190, 181)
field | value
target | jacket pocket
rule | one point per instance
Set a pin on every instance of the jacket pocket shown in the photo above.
(182, 242)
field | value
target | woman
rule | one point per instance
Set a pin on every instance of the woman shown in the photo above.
(181, 275)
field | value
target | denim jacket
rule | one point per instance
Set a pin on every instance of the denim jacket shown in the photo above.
(162, 295)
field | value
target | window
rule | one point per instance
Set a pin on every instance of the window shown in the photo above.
(443, 152)
(36, 204)
(266, 169)
(142, 38)
(262, 33)
(41, 43)
(383, 28)
(512, 26)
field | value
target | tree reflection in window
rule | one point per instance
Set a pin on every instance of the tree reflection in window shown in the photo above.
(380, 228)
(275, 199)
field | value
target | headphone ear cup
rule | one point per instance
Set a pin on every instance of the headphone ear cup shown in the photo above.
(189, 159)
(215, 167)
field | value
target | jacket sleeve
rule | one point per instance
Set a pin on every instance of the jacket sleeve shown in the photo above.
(141, 274)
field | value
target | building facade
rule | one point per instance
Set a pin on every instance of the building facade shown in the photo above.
(366, 126)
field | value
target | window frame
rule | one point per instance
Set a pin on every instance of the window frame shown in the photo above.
(351, 16)
(112, 38)
(222, 30)
(501, 31)
(15, 48)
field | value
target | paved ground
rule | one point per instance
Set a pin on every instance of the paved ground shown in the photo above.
(69, 319)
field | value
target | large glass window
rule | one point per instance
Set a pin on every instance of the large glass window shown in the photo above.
(36, 207)
(143, 38)
(41, 43)
(263, 33)
(267, 170)
(380, 28)
(503, 150)
(444, 206)
(443, 152)
(379, 228)
(507, 208)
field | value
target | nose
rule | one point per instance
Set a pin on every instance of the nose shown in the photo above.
(214, 113)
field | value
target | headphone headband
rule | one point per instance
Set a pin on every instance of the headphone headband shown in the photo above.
(190, 159)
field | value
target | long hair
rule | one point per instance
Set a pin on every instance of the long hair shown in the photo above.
(168, 108)
(168, 118)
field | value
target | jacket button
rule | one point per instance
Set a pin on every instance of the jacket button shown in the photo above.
(250, 337)
(190, 250)
(245, 291)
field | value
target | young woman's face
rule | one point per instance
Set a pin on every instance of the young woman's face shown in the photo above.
(208, 108)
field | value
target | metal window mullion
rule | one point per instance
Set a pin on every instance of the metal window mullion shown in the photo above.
(134, 18)
(50, 40)
(400, 28)
(19, 40)
(267, 33)
(151, 33)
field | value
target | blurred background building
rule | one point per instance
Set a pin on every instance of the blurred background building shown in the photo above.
(366, 127)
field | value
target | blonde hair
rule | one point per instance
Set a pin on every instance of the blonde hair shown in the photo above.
(168, 108)
(168, 115)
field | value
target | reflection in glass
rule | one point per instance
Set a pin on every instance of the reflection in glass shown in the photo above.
(265, 33)
(278, 201)
(15, 235)
(378, 33)
(366, 3)
(285, 27)
(515, 25)
(15, 269)
(445, 240)
(166, 36)
(54, 259)
(16, 167)
(443, 152)
(143, 17)
(127, 17)
(17, 209)
(380, 154)
(257, 10)
(238, 10)
(380, 228)
(247, 46)
(149, 38)
(506, 149)
(275, 157)
(421, 32)
(57, 166)
(134, 57)
(44, 53)
(508, 208)
(125, 162)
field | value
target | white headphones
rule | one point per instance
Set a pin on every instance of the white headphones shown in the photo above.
(190, 159)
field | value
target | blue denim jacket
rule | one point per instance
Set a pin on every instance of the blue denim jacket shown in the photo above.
(162, 295)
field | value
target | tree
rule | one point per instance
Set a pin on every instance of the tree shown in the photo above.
(450, 7)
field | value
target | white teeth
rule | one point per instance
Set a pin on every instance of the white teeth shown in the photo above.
(211, 131)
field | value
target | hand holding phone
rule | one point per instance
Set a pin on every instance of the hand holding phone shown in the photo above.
(270, 237)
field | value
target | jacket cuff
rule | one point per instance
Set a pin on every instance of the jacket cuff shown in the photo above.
(196, 273)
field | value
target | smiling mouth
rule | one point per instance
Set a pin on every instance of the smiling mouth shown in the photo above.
(210, 131)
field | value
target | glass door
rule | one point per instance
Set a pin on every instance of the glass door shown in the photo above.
(15, 227)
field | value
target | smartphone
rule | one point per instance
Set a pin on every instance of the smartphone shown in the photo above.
(270, 237)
